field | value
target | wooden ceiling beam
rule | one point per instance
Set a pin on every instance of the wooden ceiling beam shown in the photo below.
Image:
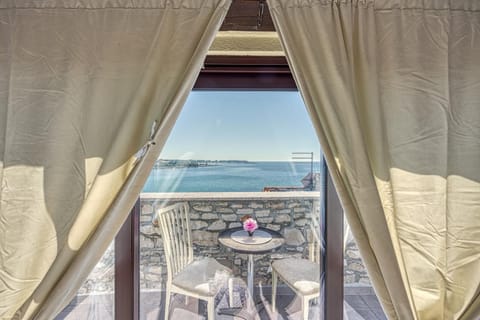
(245, 73)
(248, 15)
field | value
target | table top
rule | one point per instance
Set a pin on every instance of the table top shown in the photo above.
(225, 238)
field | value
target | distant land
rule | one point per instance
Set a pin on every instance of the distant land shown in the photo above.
(177, 163)
(174, 175)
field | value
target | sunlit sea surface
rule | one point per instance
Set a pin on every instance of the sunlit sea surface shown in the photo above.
(229, 177)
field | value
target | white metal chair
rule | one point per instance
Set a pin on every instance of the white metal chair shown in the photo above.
(200, 279)
(301, 275)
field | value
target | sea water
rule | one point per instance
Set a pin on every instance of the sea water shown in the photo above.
(229, 177)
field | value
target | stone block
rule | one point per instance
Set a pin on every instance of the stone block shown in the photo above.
(224, 210)
(235, 224)
(149, 230)
(204, 237)
(245, 211)
(147, 209)
(146, 218)
(297, 216)
(217, 226)
(255, 205)
(293, 237)
(300, 209)
(230, 217)
(202, 207)
(146, 243)
(277, 205)
(356, 267)
(301, 222)
(153, 277)
(210, 216)
(198, 224)
(284, 211)
(221, 204)
(274, 227)
(353, 254)
(349, 278)
(265, 220)
(155, 269)
(262, 213)
(194, 215)
(283, 218)
(293, 204)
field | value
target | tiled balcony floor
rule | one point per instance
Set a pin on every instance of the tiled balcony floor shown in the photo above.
(360, 304)
(364, 302)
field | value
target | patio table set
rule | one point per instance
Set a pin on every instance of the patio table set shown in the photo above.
(203, 278)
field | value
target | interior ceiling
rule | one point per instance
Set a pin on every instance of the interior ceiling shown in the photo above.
(247, 31)
(246, 53)
(248, 15)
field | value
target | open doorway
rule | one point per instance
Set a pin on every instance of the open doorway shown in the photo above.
(233, 154)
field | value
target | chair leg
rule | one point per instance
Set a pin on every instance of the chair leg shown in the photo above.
(210, 309)
(274, 290)
(230, 292)
(305, 307)
(167, 301)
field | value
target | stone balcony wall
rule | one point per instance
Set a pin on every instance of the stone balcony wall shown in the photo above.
(210, 213)
(289, 213)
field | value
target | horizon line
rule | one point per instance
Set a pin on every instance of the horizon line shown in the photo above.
(239, 160)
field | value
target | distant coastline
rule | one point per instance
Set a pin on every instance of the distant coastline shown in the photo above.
(177, 163)
(172, 175)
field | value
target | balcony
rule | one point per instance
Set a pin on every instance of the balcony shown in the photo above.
(286, 212)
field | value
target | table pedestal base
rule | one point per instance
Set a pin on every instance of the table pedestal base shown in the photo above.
(250, 310)
(239, 313)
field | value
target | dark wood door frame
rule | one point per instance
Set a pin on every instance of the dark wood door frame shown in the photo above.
(127, 267)
(333, 255)
(245, 73)
(236, 73)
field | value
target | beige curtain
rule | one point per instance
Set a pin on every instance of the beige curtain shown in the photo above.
(393, 88)
(85, 85)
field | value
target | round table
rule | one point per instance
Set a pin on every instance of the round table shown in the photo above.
(225, 238)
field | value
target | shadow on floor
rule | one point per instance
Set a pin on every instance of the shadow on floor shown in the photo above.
(360, 304)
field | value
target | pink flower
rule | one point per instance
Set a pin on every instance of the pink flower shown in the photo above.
(250, 225)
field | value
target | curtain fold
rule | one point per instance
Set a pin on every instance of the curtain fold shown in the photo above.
(393, 89)
(84, 86)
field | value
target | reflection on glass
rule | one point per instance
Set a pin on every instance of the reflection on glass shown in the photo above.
(200, 278)
(360, 300)
(95, 299)
(289, 213)
(301, 275)
(230, 155)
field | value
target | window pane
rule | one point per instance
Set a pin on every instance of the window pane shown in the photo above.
(361, 301)
(95, 299)
(225, 152)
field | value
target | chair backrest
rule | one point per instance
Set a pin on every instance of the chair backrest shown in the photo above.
(174, 223)
(315, 245)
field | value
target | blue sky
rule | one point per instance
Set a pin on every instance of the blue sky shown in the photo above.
(242, 125)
